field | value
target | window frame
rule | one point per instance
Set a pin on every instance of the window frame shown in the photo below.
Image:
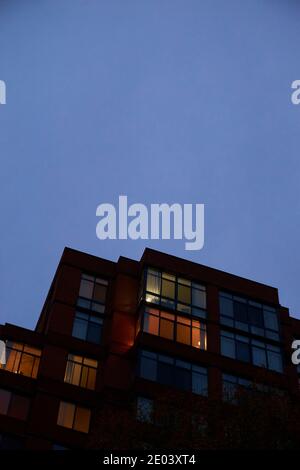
(178, 320)
(253, 344)
(71, 363)
(174, 303)
(249, 326)
(21, 351)
(169, 369)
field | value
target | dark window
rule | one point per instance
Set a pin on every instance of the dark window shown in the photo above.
(246, 315)
(174, 372)
(87, 327)
(240, 312)
(92, 293)
(14, 405)
(11, 442)
(243, 351)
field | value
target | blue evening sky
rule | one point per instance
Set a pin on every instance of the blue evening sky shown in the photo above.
(162, 100)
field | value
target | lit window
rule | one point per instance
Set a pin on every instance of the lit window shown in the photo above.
(22, 359)
(87, 327)
(175, 327)
(92, 293)
(74, 417)
(175, 293)
(81, 371)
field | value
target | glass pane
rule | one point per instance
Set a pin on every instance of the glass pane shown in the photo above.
(145, 408)
(84, 303)
(5, 397)
(94, 333)
(99, 293)
(168, 289)
(80, 328)
(84, 376)
(226, 321)
(151, 324)
(26, 365)
(91, 382)
(199, 384)
(13, 358)
(271, 321)
(196, 343)
(274, 361)
(35, 367)
(259, 357)
(153, 284)
(82, 419)
(76, 371)
(226, 307)
(66, 414)
(165, 374)
(166, 329)
(229, 391)
(199, 298)
(203, 339)
(243, 352)
(100, 308)
(148, 368)
(184, 294)
(256, 316)
(240, 312)
(183, 379)
(86, 289)
(33, 351)
(183, 334)
(69, 372)
(184, 308)
(228, 347)
(90, 362)
(19, 407)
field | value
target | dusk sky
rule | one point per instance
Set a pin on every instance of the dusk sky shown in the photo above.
(163, 101)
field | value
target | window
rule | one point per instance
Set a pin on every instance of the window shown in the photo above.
(81, 371)
(145, 410)
(246, 315)
(175, 327)
(92, 293)
(245, 349)
(87, 327)
(231, 386)
(13, 404)
(59, 447)
(10, 442)
(171, 371)
(74, 417)
(176, 293)
(22, 359)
